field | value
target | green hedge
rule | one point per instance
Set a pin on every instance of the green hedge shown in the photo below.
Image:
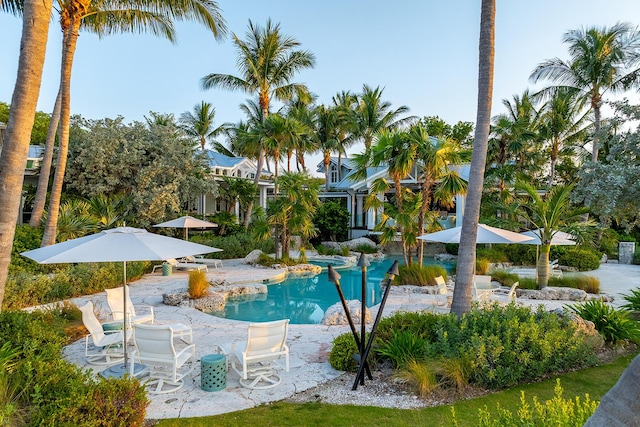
(582, 259)
(234, 246)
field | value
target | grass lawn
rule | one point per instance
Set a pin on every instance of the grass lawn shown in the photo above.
(593, 381)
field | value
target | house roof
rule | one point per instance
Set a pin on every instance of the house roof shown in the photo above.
(345, 162)
(220, 160)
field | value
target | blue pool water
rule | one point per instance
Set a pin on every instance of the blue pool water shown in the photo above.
(304, 300)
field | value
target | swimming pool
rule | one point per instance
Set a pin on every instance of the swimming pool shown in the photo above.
(305, 299)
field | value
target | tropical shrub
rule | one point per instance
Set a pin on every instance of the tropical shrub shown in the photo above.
(367, 249)
(504, 277)
(452, 248)
(345, 251)
(615, 325)
(420, 375)
(527, 283)
(419, 275)
(332, 221)
(633, 302)
(556, 412)
(234, 246)
(482, 266)
(198, 284)
(582, 259)
(25, 239)
(422, 324)
(342, 352)
(403, 347)
(455, 371)
(491, 254)
(588, 284)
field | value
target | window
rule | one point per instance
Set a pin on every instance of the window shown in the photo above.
(333, 173)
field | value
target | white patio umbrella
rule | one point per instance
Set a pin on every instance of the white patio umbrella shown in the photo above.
(486, 234)
(120, 244)
(559, 238)
(187, 222)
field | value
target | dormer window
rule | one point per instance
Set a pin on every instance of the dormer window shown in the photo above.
(333, 174)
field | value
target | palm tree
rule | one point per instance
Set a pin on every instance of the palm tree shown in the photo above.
(562, 126)
(552, 214)
(327, 129)
(467, 255)
(437, 180)
(35, 29)
(372, 115)
(199, 124)
(344, 103)
(104, 18)
(267, 61)
(602, 60)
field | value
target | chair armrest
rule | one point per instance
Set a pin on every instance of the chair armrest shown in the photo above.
(190, 347)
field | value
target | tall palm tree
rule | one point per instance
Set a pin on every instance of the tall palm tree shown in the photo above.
(104, 17)
(562, 126)
(267, 61)
(344, 103)
(437, 179)
(467, 255)
(550, 214)
(199, 124)
(35, 29)
(372, 115)
(602, 60)
(327, 133)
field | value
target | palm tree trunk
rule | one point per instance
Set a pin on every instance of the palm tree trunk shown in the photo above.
(620, 406)
(542, 268)
(424, 206)
(596, 131)
(466, 256)
(68, 52)
(35, 29)
(45, 166)
(327, 162)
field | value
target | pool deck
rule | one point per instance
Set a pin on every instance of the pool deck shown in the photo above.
(309, 344)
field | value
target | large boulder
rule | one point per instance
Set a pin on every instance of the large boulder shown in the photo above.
(252, 257)
(335, 314)
(353, 244)
(212, 302)
(305, 269)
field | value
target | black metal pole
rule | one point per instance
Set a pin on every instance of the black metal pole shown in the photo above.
(363, 263)
(392, 272)
(335, 278)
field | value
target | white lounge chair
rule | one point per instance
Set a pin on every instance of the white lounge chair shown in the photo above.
(186, 265)
(115, 300)
(257, 357)
(107, 347)
(206, 261)
(154, 347)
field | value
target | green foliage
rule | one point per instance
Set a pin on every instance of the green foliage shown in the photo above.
(588, 284)
(324, 250)
(504, 277)
(367, 249)
(419, 275)
(455, 371)
(266, 260)
(25, 239)
(302, 259)
(556, 412)
(527, 283)
(491, 254)
(582, 259)
(234, 246)
(497, 346)
(614, 325)
(345, 251)
(332, 221)
(420, 375)
(341, 355)
(633, 302)
(56, 392)
(452, 248)
(402, 348)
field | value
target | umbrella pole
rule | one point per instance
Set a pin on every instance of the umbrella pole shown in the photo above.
(124, 317)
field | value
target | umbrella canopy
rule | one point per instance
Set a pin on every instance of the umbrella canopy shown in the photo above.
(486, 234)
(120, 244)
(187, 222)
(559, 238)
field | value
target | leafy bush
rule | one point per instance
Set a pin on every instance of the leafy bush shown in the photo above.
(323, 250)
(419, 275)
(422, 324)
(345, 251)
(342, 352)
(492, 254)
(556, 412)
(266, 260)
(198, 284)
(504, 277)
(582, 259)
(332, 221)
(614, 325)
(367, 249)
(520, 254)
(403, 347)
(452, 248)
(25, 239)
(56, 392)
(588, 284)
(527, 283)
(234, 246)
(633, 302)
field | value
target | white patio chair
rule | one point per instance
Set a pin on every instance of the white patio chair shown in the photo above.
(186, 265)
(200, 260)
(154, 347)
(511, 296)
(107, 347)
(482, 289)
(115, 300)
(258, 356)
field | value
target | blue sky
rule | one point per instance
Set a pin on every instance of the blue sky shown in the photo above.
(423, 53)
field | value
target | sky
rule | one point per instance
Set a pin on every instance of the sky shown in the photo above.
(424, 54)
